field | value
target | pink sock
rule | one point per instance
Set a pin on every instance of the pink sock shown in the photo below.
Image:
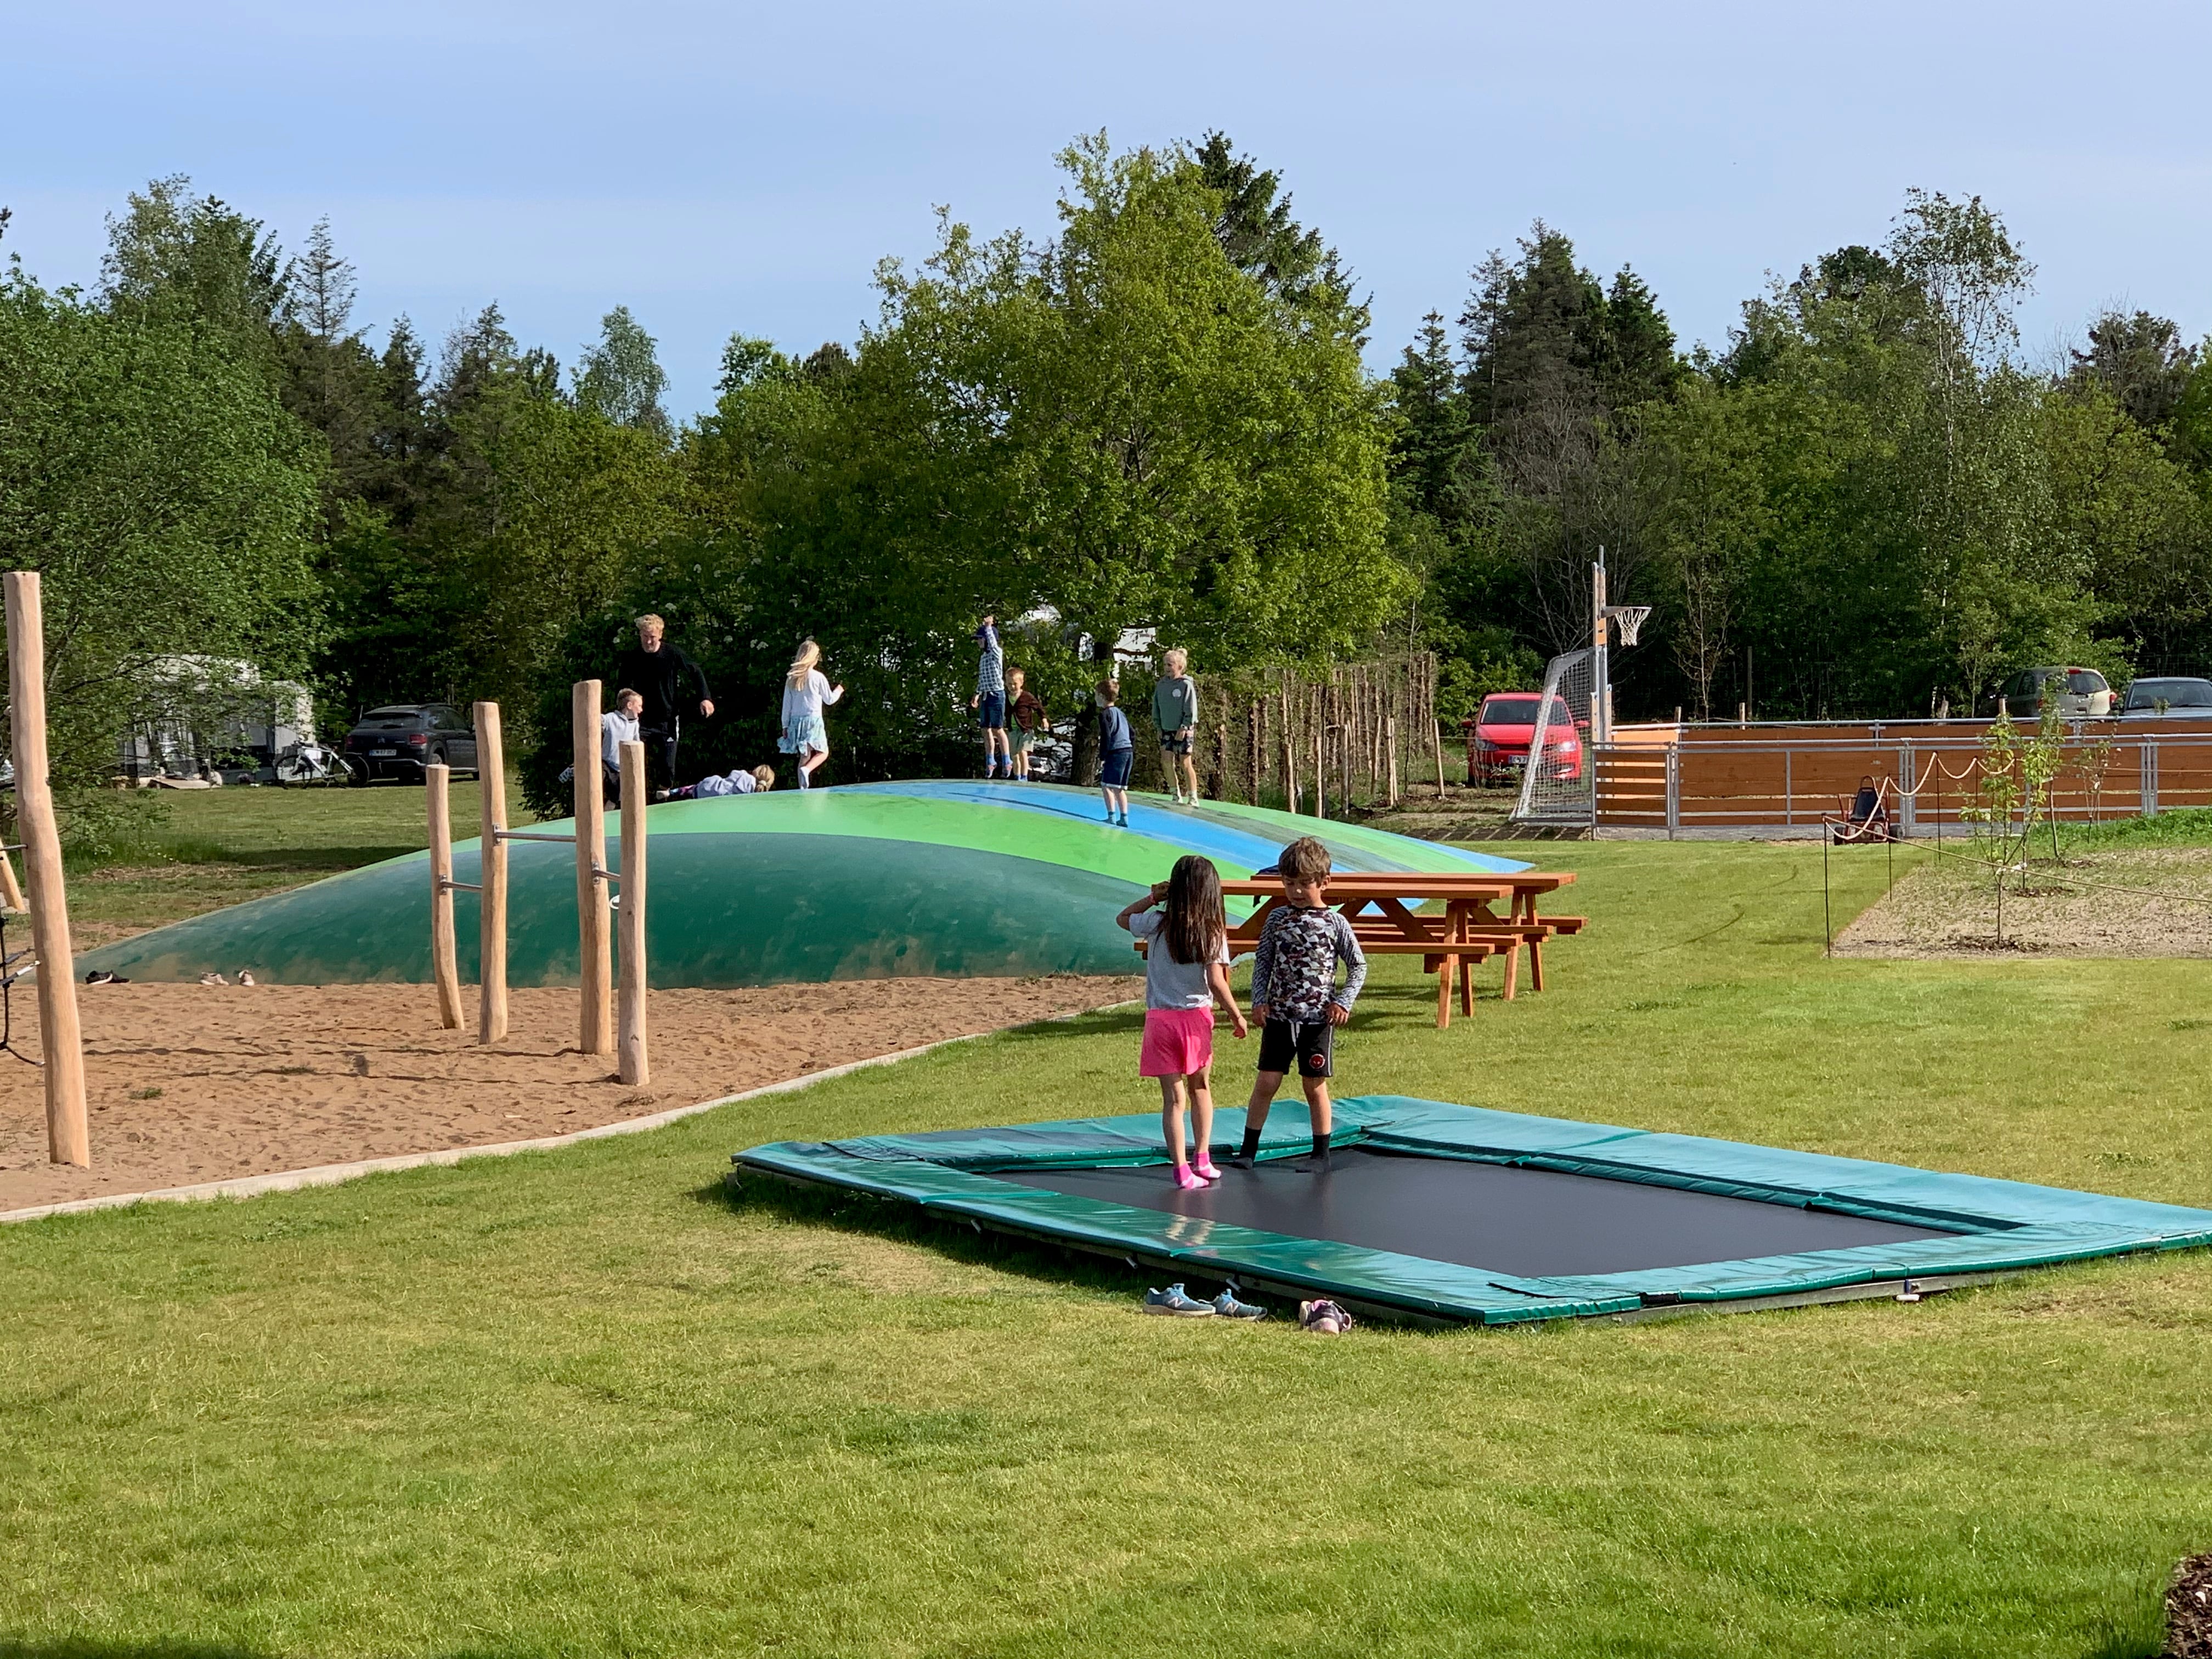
(1204, 1168)
(1186, 1179)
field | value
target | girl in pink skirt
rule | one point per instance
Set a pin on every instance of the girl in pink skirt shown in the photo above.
(1185, 977)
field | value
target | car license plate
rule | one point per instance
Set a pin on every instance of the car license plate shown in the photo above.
(381, 753)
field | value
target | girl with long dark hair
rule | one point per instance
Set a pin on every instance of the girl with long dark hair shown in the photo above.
(1186, 978)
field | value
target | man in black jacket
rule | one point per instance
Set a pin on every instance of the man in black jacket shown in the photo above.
(667, 680)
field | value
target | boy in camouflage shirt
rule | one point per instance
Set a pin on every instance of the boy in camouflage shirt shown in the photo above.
(1295, 998)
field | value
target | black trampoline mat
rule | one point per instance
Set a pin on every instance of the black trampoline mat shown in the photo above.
(1531, 1223)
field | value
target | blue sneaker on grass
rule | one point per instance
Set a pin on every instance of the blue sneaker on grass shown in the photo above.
(1173, 1301)
(1228, 1307)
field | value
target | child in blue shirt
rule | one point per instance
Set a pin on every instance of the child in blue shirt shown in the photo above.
(1117, 751)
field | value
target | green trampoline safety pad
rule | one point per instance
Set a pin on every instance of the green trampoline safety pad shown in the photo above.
(1461, 1212)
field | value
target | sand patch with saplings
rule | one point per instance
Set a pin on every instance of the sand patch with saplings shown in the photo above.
(193, 1083)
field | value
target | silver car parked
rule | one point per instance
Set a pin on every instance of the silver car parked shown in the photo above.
(2082, 693)
(2169, 695)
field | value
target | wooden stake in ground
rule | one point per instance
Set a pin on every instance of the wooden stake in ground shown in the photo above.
(595, 1027)
(10, 894)
(1437, 731)
(68, 1139)
(491, 775)
(1390, 753)
(445, 963)
(633, 1067)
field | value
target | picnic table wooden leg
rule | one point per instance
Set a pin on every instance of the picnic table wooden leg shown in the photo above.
(1513, 968)
(1535, 966)
(1443, 991)
(1467, 988)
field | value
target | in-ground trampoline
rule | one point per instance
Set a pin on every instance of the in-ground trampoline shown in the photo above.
(1431, 1210)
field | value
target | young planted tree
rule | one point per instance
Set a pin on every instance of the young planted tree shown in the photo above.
(2013, 793)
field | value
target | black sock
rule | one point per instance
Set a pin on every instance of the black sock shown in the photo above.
(1251, 1148)
(1321, 1148)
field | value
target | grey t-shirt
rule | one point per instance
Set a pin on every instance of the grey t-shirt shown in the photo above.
(1169, 983)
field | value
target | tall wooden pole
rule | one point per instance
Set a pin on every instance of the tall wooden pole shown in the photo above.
(10, 894)
(634, 1065)
(491, 775)
(445, 963)
(68, 1139)
(595, 1024)
(1322, 757)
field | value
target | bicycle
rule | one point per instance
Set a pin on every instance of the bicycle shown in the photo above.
(310, 762)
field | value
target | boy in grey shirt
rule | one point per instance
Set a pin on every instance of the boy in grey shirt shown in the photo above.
(1175, 711)
(1295, 996)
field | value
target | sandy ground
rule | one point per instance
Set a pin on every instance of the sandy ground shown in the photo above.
(2153, 902)
(192, 1083)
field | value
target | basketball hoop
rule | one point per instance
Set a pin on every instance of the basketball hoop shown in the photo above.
(1628, 618)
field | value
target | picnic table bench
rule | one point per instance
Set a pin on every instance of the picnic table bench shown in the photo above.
(1379, 904)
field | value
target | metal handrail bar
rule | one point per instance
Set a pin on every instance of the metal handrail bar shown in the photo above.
(1657, 752)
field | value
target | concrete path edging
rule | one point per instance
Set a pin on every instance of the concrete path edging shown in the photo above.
(328, 1174)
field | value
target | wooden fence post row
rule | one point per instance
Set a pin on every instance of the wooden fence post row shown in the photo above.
(595, 1012)
(1357, 732)
(69, 1139)
(1718, 780)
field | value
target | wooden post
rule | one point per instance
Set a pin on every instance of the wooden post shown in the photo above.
(1290, 758)
(1437, 731)
(10, 894)
(1390, 753)
(1252, 750)
(633, 1067)
(595, 1024)
(491, 774)
(69, 1140)
(1322, 757)
(444, 965)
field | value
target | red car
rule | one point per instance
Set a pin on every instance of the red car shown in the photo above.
(1498, 737)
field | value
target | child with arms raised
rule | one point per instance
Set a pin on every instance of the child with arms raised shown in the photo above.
(1185, 977)
(1295, 996)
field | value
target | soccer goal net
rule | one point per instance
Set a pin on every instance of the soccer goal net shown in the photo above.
(1558, 784)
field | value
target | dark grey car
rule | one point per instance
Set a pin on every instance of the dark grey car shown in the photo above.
(399, 740)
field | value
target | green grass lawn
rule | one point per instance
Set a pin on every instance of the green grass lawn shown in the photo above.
(589, 1403)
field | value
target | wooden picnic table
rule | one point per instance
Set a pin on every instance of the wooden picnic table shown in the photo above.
(1379, 905)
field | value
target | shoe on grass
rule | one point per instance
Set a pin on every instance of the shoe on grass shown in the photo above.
(1173, 1301)
(1228, 1307)
(1323, 1318)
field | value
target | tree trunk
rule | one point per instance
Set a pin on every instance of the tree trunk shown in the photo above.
(1086, 718)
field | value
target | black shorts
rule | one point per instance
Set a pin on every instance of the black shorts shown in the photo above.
(1307, 1042)
(1174, 743)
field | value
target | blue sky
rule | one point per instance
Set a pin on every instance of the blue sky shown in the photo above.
(743, 166)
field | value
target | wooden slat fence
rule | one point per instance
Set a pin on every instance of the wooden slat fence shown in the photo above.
(1783, 778)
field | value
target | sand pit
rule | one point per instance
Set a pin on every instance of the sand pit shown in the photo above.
(192, 1083)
